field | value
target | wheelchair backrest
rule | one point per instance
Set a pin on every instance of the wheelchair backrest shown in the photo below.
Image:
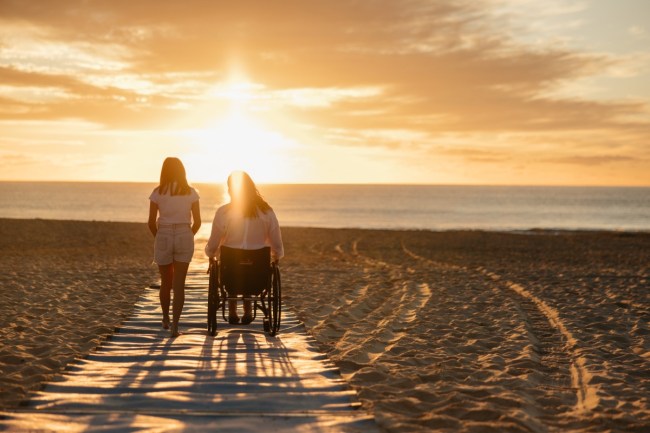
(245, 272)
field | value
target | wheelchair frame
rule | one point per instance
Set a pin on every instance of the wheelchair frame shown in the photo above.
(246, 278)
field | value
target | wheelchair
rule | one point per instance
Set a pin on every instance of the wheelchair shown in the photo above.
(247, 275)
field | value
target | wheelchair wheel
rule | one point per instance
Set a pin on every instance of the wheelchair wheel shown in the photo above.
(275, 304)
(213, 298)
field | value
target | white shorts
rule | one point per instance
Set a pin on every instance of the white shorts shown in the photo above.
(174, 243)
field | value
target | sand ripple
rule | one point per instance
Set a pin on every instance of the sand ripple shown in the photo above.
(476, 332)
(65, 286)
(449, 332)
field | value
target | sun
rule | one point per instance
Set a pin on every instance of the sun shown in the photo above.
(239, 140)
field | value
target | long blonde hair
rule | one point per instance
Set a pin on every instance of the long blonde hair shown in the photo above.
(173, 178)
(244, 195)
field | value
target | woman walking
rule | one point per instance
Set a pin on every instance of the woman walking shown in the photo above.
(174, 219)
(247, 222)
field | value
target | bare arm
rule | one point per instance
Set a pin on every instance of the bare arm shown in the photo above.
(275, 238)
(212, 246)
(153, 214)
(196, 217)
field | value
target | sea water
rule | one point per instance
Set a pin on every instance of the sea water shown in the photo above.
(430, 207)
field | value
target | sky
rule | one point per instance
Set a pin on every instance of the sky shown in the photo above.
(494, 92)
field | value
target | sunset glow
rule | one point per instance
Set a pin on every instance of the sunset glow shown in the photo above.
(494, 92)
(237, 142)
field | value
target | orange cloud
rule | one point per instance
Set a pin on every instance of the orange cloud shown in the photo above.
(427, 69)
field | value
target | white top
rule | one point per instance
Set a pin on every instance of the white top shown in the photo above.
(236, 231)
(174, 209)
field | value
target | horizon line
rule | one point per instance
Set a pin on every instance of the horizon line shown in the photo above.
(342, 183)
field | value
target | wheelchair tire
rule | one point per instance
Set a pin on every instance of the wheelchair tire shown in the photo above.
(275, 301)
(213, 299)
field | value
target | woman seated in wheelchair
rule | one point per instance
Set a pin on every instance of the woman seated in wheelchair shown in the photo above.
(247, 222)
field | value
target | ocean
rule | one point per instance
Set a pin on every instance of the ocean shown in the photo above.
(428, 207)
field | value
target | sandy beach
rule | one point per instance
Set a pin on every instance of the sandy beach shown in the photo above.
(482, 332)
(436, 331)
(65, 286)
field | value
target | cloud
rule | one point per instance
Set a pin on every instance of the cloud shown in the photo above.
(475, 154)
(411, 71)
(590, 160)
(638, 32)
(16, 160)
(432, 59)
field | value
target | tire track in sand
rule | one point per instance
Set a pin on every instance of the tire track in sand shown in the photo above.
(586, 394)
(388, 303)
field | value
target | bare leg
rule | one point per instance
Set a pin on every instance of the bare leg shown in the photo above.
(232, 309)
(166, 278)
(248, 313)
(178, 285)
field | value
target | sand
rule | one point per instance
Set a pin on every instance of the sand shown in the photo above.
(481, 332)
(64, 287)
(448, 332)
